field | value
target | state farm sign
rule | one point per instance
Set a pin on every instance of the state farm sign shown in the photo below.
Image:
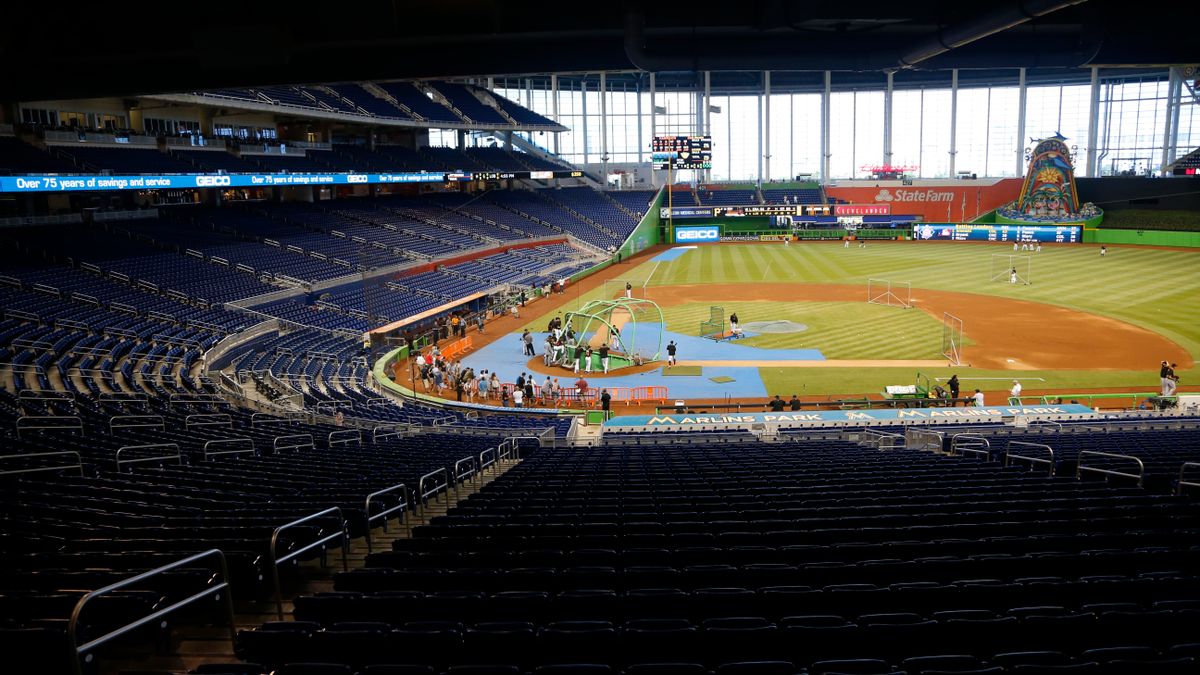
(913, 195)
(948, 202)
(862, 209)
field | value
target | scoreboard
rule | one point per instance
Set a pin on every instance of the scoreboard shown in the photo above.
(1062, 234)
(681, 152)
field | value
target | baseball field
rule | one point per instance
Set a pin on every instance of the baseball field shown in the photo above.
(1082, 322)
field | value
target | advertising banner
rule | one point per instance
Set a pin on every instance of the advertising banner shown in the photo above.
(694, 235)
(949, 201)
(862, 209)
(685, 212)
(677, 420)
(1062, 234)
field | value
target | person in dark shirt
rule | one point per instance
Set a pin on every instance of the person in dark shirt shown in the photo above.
(794, 404)
(605, 401)
(1163, 370)
(671, 348)
(777, 404)
(604, 357)
(953, 384)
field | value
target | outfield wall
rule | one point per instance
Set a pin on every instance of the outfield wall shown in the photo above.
(1142, 237)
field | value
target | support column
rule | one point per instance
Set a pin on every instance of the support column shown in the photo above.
(1177, 97)
(604, 126)
(554, 107)
(583, 115)
(1093, 124)
(953, 119)
(653, 123)
(641, 150)
(1172, 109)
(825, 127)
(765, 136)
(1022, 93)
(707, 117)
(887, 120)
(761, 148)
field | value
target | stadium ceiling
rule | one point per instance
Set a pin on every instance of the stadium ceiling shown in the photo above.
(57, 54)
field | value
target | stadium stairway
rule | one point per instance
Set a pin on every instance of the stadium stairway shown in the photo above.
(199, 647)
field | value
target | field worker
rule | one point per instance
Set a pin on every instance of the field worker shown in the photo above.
(1012, 276)
(794, 404)
(671, 349)
(953, 384)
(978, 398)
(776, 404)
(1015, 392)
(733, 324)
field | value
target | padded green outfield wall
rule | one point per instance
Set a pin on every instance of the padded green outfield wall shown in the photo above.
(1142, 237)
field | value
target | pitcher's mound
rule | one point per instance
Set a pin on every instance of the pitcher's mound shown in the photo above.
(781, 326)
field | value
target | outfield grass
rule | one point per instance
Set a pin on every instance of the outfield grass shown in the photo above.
(1158, 289)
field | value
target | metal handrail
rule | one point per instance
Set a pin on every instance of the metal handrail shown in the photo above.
(136, 422)
(45, 395)
(426, 494)
(1182, 482)
(276, 560)
(75, 423)
(389, 431)
(208, 420)
(505, 450)
(403, 507)
(220, 589)
(920, 438)
(462, 476)
(1009, 455)
(1046, 423)
(482, 464)
(971, 443)
(246, 447)
(344, 437)
(1080, 468)
(121, 462)
(27, 455)
(880, 440)
(294, 437)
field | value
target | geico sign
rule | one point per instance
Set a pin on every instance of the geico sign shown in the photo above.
(211, 181)
(353, 178)
(707, 234)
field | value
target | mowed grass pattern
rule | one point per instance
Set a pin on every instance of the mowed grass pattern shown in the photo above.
(841, 330)
(1158, 289)
(1153, 288)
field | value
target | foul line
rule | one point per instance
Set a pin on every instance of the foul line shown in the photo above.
(766, 271)
(647, 281)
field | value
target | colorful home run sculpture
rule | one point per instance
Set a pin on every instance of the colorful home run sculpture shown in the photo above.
(1048, 193)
